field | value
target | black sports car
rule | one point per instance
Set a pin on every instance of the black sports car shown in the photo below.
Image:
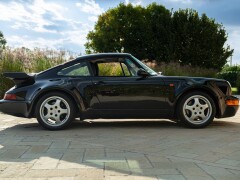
(115, 85)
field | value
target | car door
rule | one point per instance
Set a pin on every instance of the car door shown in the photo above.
(80, 77)
(118, 87)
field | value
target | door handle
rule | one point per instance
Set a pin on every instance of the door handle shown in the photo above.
(110, 93)
(99, 83)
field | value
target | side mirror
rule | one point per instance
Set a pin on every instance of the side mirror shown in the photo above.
(142, 72)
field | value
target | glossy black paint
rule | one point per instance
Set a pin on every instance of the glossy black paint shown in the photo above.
(149, 96)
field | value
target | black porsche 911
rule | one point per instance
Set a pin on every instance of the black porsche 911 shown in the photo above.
(115, 85)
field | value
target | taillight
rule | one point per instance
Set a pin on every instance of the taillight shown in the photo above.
(10, 97)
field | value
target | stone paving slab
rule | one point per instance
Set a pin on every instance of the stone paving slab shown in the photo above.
(119, 149)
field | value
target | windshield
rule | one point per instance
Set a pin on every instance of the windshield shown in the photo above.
(145, 67)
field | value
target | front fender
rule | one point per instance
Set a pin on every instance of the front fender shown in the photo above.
(209, 87)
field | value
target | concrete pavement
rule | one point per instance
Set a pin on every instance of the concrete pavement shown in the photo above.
(119, 149)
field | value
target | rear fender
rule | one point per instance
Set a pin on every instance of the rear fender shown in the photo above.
(74, 96)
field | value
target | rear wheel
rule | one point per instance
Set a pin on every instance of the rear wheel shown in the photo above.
(55, 111)
(196, 109)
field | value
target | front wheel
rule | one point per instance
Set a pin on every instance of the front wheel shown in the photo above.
(196, 109)
(55, 111)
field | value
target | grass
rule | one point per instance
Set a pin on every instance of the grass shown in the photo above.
(176, 69)
(234, 90)
(26, 60)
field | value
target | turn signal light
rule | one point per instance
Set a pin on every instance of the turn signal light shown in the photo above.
(232, 102)
(10, 97)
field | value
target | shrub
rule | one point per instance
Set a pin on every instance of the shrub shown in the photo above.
(29, 61)
(227, 68)
(230, 73)
(40, 64)
(8, 64)
(230, 76)
(238, 83)
(176, 69)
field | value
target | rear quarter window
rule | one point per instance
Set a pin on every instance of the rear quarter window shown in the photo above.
(79, 69)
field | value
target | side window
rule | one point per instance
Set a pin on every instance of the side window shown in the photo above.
(79, 69)
(132, 67)
(115, 67)
(125, 69)
(110, 69)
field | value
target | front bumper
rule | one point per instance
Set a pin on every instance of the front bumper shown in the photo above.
(230, 111)
(15, 108)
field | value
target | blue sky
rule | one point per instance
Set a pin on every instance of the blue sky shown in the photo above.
(62, 24)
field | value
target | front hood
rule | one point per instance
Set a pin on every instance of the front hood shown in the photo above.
(206, 79)
(221, 84)
(194, 79)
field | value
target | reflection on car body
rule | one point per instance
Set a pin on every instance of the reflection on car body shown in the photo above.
(115, 85)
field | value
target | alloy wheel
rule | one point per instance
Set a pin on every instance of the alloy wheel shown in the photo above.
(197, 109)
(54, 111)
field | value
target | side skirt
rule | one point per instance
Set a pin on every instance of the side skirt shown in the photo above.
(127, 114)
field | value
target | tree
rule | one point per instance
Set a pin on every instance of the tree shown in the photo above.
(2, 41)
(199, 41)
(157, 33)
(120, 29)
(159, 41)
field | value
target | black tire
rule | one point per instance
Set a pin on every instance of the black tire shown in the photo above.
(196, 109)
(55, 111)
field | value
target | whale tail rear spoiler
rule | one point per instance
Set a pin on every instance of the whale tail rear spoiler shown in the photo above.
(20, 78)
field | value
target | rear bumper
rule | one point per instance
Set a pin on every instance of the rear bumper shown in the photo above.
(15, 108)
(229, 111)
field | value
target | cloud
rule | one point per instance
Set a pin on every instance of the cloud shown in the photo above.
(134, 2)
(30, 43)
(68, 38)
(93, 18)
(72, 38)
(44, 24)
(126, 1)
(31, 15)
(76, 37)
(90, 7)
(181, 1)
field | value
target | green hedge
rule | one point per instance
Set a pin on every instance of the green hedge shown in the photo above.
(231, 76)
(238, 83)
(176, 69)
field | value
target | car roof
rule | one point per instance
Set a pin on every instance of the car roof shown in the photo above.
(85, 57)
(102, 55)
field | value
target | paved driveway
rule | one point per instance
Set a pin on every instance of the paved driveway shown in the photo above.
(122, 150)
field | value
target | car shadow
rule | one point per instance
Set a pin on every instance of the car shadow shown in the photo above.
(118, 147)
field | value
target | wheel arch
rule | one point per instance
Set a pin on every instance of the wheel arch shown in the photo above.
(66, 92)
(208, 91)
